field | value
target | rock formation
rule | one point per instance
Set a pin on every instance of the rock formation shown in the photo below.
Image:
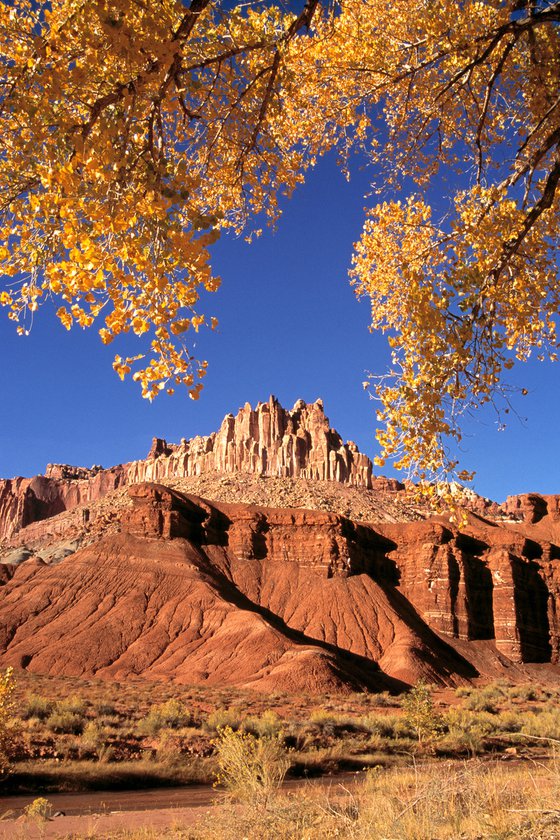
(144, 577)
(196, 591)
(226, 594)
(27, 500)
(267, 440)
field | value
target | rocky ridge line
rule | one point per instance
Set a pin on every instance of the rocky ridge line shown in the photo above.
(266, 441)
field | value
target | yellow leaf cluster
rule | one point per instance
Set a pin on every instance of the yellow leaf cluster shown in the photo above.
(134, 134)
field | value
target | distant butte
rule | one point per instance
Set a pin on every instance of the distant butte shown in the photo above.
(268, 555)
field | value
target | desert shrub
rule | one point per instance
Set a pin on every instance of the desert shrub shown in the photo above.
(299, 738)
(37, 706)
(509, 722)
(223, 718)
(95, 737)
(333, 723)
(526, 693)
(266, 725)
(64, 722)
(250, 768)
(322, 717)
(169, 715)
(73, 705)
(383, 725)
(383, 699)
(68, 748)
(465, 732)
(545, 724)
(38, 811)
(459, 742)
(463, 691)
(105, 754)
(152, 724)
(380, 725)
(105, 709)
(174, 714)
(168, 749)
(420, 713)
(485, 699)
(472, 727)
(402, 729)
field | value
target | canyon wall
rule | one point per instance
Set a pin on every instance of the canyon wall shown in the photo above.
(483, 583)
(27, 500)
(196, 591)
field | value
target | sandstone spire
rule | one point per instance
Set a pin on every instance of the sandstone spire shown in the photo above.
(267, 440)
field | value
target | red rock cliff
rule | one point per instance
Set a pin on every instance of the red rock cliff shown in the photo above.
(203, 592)
(27, 500)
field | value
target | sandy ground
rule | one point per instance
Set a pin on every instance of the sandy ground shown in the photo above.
(97, 814)
(98, 825)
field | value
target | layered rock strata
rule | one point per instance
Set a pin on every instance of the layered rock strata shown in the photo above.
(484, 583)
(195, 591)
(198, 592)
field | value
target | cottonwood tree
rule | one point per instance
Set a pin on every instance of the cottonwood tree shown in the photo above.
(9, 725)
(134, 133)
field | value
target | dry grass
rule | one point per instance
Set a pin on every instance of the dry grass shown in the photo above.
(471, 801)
(101, 731)
(250, 768)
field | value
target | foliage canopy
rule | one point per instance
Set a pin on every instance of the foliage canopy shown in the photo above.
(133, 133)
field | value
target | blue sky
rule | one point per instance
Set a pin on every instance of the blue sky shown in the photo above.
(289, 325)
